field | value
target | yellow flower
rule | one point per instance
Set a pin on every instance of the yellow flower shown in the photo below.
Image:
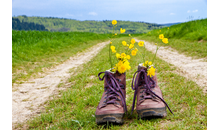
(155, 43)
(123, 55)
(161, 36)
(124, 43)
(136, 49)
(114, 22)
(129, 35)
(115, 34)
(151, 71)
(133, 52)
(113, 47)
(132, 41)
(168, 28)
(131, 46)
(145, 63)
(120, 63)
(122, 68)
(150, 63)
(127, 45)
(114, 69)
(127, 65)
(149, 32)
(160, 30)
(113, 50)
(128, 57)
(165, 40)
(110, 42)
(118, 55)
(122, 30)
(141, 43)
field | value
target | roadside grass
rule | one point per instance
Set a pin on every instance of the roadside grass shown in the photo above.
(75, 108)
(189, 38)
(35, 51)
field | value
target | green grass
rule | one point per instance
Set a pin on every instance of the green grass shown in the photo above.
(34, 50)
(76, 107)
(189, 38)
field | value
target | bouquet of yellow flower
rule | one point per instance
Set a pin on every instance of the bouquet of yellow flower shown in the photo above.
(149, 64)
(123, 58)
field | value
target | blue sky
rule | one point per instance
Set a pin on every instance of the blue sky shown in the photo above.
(153, 11)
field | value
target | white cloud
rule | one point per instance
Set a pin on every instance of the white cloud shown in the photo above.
(93, 13)
(194, 11)
(172, 13)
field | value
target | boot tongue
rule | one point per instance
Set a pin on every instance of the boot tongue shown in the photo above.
(118, 78)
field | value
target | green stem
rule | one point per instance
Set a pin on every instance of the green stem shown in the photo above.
(144, 53)
(110, 49)
(110, 56)
(142, 57)
(155, 54)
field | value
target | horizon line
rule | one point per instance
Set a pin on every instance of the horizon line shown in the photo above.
(110, 20)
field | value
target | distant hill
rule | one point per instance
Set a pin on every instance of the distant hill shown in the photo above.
(105, 26)
(18, 25)
(169, 24)
(194, 30)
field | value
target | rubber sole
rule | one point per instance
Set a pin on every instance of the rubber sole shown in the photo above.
(110, 118)
(152, 113)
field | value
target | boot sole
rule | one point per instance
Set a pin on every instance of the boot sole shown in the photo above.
(110, 118)
(152, 113)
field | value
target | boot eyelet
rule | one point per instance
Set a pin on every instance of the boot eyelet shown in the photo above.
(122, 86)
(117, 99)
(141, 99)
(117, 103)
(119, 80)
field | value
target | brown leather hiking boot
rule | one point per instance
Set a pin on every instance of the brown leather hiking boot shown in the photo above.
(112, 106)
(150, 101)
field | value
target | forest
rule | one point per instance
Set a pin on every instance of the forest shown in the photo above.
(18, 25)
(71, 25)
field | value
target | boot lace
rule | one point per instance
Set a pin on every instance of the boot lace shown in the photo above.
(114, 89)
(147, 84)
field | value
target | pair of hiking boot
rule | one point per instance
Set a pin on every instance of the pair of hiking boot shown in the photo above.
(112, 105)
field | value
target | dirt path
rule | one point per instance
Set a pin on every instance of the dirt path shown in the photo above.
(192, 69)
(28, 96)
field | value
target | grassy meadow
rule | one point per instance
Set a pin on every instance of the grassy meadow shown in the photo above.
(75, 107)
(189, 38)
(34, 50)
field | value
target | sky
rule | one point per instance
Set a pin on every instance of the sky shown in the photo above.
(152, 11)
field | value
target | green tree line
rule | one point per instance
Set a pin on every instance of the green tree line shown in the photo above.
(17, 25)
(69, 25)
